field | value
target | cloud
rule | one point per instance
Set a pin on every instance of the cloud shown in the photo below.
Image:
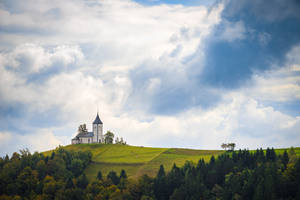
(29, 62)
(269, 11)
(258, 43)
(233, 31)
(238, 118)
(161, 75)
(33, 58)
(41, 140)
(279, 84)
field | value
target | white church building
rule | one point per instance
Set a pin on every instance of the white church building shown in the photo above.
(91, 137)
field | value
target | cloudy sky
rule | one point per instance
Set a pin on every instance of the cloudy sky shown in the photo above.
(162, 73)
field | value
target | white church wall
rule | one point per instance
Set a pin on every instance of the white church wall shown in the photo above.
(100, 132)
(85, 140)
(95, 133)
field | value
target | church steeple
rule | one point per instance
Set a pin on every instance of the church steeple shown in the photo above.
(97, 120)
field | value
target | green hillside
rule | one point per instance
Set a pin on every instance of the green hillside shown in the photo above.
(137, 161)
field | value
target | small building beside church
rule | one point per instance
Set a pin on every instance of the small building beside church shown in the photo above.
(91, 137)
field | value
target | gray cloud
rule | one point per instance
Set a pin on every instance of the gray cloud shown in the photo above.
(141, 65)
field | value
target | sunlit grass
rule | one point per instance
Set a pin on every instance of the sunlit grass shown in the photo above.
(137, 161)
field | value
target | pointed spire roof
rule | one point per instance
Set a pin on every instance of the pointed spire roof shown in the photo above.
(97, 120)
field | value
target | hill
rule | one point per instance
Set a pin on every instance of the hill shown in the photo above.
(137, 161)
(242, 174)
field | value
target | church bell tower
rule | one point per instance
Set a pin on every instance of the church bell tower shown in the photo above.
(98, 130)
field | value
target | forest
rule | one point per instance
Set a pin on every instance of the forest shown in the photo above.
(241, 174)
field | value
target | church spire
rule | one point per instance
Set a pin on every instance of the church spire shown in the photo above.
(97, 120)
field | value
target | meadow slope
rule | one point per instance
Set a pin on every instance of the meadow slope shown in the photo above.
(137, 161)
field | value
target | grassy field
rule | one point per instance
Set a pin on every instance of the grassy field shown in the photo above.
(137, 161)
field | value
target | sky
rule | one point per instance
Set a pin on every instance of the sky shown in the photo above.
(161, 73)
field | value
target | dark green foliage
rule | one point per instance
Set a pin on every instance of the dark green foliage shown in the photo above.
(161, 173)
(82, 181)
(142, 189)
(69, 183)
(76, 166)
(30, 175)
(113, 177)
(232, 175)
(160, 184)
(241, 175)
(99, 175)
(109, 137)
(285, 159)
(123, 174)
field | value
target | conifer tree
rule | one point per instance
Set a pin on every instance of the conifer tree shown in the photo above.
(99, 175)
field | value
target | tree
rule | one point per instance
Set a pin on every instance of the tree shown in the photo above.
(82, 128)
(99, 175)
(122, 141)
(292, 155)
(27, 180)
(123, 174)
(109, 137)
(82, 181)
(224, 146)
(123, 180)
(285, 159)
(76, 167)
(113, 177)
(42, 169)
(160, 187)
(161, 173)
(69, 183)
(231, 146)
(50, 187)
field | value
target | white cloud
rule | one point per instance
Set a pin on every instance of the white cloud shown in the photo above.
(120, 32)
(17, 66)
(40, 140)
(99, 48)
(33, 58)
(280, 84)
(239, 119)
(233, 31)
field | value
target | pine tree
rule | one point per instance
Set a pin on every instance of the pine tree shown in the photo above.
(99, 175)
(259, 191)
(161, 173)
(69, 183)
(160, 189)
(113, 177)
(285, 159)
(82, 181)
(123, 174)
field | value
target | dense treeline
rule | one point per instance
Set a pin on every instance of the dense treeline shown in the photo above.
(35, 176)
(240, 175)
(236, 175)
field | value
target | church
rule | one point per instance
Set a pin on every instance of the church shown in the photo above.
(91, 137)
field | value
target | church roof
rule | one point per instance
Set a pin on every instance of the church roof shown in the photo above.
(97, 120)
(87, 134)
